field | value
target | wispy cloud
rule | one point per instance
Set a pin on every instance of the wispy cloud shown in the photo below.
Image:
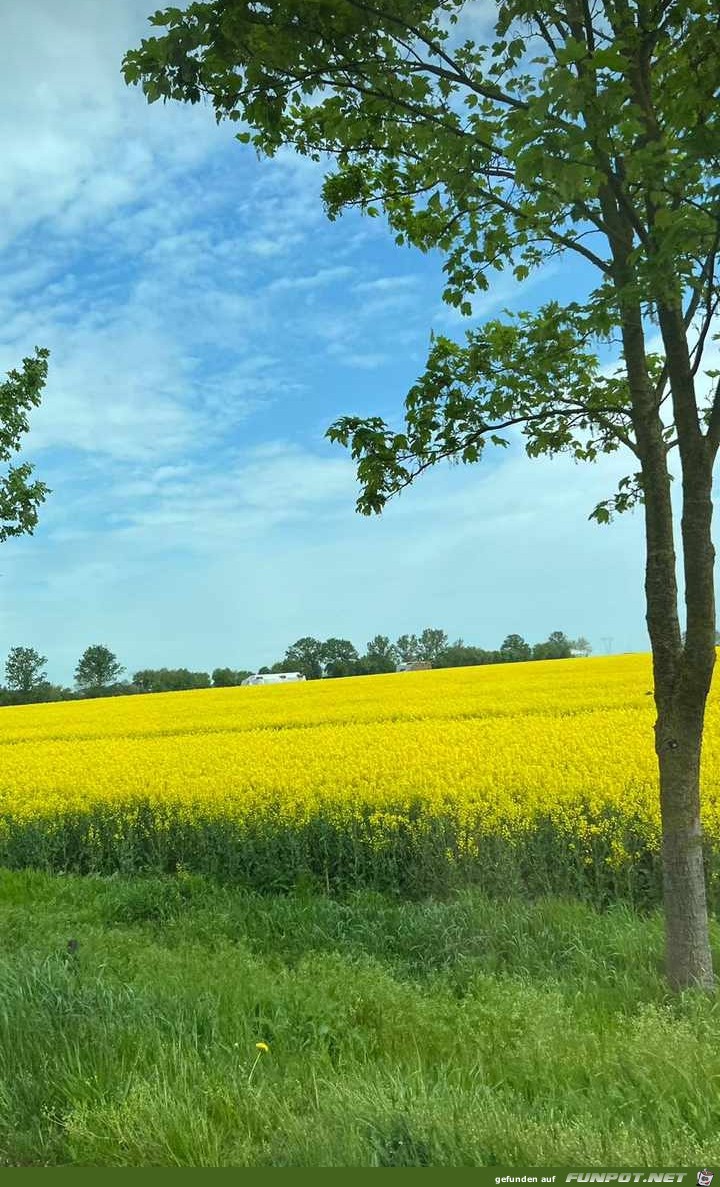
(314, 280)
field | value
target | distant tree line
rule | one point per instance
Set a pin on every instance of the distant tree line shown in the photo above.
(339, 657)
(98, 674)
(98, 671)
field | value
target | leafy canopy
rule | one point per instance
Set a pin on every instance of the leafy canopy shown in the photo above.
(19, 497)
(97, 668)
(588, 127)
(304, 655)
(25, 669)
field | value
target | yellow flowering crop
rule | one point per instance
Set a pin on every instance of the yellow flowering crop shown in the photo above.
(492, 752)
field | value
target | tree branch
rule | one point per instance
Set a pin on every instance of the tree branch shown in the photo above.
(495, 94)
(707, 273)
(549, 233)
(713, 431)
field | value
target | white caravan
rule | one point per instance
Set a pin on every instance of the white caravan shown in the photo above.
(274, 678)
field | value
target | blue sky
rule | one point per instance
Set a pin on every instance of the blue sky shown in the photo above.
(206, 324)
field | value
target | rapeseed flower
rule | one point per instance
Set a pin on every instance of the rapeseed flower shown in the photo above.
(400, 763)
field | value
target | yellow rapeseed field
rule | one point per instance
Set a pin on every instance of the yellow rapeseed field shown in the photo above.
(435, 763)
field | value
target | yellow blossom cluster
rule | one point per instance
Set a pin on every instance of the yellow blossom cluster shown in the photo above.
(493, 748)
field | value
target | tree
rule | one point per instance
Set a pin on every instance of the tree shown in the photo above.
(282, 665)
(717, 638)
(304, 656)
(580, 646)
(144, 680)
(169, 680)
(460, 655)
(25, 669)
(45, 691)
(380, 657)
(19, 497)
(431, 644)
(339, 658)
(514, 649)
(228, 678)
(97, 669)
(556, 646)
(590, 132)
(408, 648)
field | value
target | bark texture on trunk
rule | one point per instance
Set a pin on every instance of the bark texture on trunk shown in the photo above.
(682, 676)
(682, 687)
(688, 959)
(682, 672)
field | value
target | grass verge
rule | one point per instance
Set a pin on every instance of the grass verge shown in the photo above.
(458, 1033)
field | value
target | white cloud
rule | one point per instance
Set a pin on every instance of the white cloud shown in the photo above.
(114, 391)
(362, 360)
(141, 294)
(76, 142)
(385, 284)
(314, 280)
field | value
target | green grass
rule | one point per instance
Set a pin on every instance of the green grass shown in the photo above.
(462, 1032)
(600, 856)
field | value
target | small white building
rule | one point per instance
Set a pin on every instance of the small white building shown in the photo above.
(273, 678)
(415, 665)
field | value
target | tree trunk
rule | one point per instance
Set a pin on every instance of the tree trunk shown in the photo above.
(682, 681)
(681, 701)
(682, 673)
(681, 687)
(688, 959)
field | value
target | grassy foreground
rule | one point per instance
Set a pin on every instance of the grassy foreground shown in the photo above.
(465, 1032)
